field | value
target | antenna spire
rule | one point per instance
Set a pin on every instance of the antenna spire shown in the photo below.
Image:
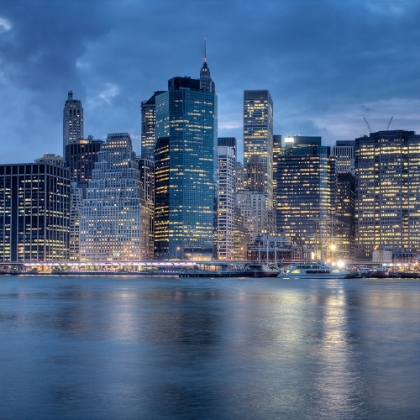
(205, 50)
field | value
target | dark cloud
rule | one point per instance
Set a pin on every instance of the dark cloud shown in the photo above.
(326, 63)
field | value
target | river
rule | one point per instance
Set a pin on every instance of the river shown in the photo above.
(165, 348)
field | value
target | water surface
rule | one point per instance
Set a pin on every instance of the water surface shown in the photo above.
(166, 348)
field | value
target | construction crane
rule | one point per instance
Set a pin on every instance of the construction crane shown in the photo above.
(390, 121)
(368, 126)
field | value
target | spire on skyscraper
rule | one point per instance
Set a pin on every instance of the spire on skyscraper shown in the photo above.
(206, 82)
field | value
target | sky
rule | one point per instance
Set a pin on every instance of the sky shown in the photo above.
(327, 64)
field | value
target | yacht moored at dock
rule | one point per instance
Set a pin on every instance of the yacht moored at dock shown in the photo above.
(312, 270)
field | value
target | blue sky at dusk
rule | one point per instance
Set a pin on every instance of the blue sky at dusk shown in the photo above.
(327, 64)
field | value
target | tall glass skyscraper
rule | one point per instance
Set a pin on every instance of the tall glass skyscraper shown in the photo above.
(258, 135)
(73, 123)
(186, 161)
(148, 137)
(112, 225)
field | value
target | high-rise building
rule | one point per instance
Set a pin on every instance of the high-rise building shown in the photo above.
(73, 123)
(148, 138)
(305, 195)
(186, 133)
(258, 135)
(344, 221)
(81, 156)
(34, 212)
(240, 176)
(147, 178)
(113, 220)
(387, 171)
(253, 207)
(206, 82)
(226, 202)
(230, 142)
(255, 174)
(343, 151)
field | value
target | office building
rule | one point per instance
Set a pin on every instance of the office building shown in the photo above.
(147, 179)
(81, 156)
(226, 202)
(258, 135)
(343, 234)
(73, 123)
(387, 171)
(343, 151)
(240, 176)
(113, 215)
(230, 142)
(148, 138)
(185, 169)
(34, 212)
(253, 207)
(305, 195)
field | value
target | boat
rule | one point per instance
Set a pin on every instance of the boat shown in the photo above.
(259, 270)
(312, 270)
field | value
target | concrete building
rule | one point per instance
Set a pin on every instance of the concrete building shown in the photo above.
(226, 202)
(113, 224)
(253, 207)
(81, 156)
(73, 122)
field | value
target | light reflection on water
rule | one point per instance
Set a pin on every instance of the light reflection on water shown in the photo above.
(210, 349)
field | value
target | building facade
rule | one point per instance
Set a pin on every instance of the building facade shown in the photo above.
(147, 179)
(258, 135)
(226, 202)
(113, 223)
(81, 156)
(186, 165)
(343, 151)
(305, 196)
(34, 212)
(387, 169)
(253, 207)
(73, 122)
(148, 115)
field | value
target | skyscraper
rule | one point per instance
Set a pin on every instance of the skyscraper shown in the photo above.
(186, 133)
(73, 123)
(258, 135)
(344, 156)
(305, 195)
(206, 82)
(226, 202)
(387, 169)
(112, 225)
(81, 156)
(34, 212)
(148, 137)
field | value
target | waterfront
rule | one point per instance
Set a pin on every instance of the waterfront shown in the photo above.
(166, 348)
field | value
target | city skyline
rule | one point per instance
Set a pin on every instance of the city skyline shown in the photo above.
(324, 64)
